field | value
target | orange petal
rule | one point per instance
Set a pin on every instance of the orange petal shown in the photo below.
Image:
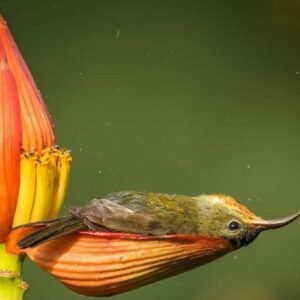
(10, 145)
(108, 264)
(15, 236)
(37, 126)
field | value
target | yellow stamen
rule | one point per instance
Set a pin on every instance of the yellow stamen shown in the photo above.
(26, 189)
(63, 172)
(44, 179)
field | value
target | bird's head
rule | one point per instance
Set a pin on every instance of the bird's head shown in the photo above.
(222, 216)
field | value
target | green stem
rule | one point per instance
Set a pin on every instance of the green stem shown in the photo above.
(11, 285)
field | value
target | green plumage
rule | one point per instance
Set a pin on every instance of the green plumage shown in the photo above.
(150, 214)
(175, 213)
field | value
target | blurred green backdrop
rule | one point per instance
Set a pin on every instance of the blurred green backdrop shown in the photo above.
(180, 97)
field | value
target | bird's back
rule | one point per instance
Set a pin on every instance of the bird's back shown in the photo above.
(175, 213)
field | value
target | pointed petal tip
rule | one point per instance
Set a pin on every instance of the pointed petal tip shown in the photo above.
(2, 21)
(3, 25)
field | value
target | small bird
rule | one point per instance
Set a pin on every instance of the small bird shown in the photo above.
(157, 214)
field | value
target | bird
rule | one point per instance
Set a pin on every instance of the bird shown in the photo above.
(159, 214)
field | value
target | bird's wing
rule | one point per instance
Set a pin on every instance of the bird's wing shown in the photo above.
(105, 215)
(53, 230)
(39, 223)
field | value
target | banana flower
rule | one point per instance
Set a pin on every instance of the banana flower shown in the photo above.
(34, 171)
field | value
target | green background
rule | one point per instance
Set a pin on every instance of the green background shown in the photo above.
(180, 97)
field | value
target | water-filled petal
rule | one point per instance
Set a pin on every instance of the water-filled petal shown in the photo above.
(103, 264)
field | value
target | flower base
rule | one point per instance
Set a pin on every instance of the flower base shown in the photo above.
(12, 287)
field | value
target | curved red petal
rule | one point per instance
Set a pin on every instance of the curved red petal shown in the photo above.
(111, 263)
(10, 145)
(36, 122)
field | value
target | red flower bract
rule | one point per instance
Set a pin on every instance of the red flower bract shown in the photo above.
(10, 145)
(37, 131)
(106, 263)
(33, 173)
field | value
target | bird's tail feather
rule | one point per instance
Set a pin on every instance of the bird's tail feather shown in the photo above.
(53, 230)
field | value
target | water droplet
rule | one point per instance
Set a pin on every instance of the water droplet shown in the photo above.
(172, 51)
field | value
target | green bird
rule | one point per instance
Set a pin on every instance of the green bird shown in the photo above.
(157, 214)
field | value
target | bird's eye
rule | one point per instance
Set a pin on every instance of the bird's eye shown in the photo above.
(234, 225)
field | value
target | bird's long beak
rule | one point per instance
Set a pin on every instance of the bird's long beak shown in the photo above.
(275, 223)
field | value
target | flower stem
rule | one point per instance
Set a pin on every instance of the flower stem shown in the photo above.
(11, 285)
